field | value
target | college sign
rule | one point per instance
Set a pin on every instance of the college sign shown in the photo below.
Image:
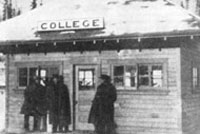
(72, 24)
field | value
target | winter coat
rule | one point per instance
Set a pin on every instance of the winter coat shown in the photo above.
(40, 100)
(33, 100)
(102, 110)
(59, 103)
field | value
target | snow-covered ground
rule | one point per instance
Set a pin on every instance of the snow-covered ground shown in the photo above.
(2, 110)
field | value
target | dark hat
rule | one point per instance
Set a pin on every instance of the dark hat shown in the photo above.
(105, 77)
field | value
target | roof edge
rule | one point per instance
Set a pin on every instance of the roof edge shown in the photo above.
(173, 34)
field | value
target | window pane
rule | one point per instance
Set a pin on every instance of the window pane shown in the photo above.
(144, 81)
(157, 76)
(118, 70)
(118, 81)
(32, 73)
(195, 77)
(194, 72)
(143, 70)
(130, 70)
(86, 79)
(22, 81)
(23, 74)
(88, 74)
(157, 82)
(81, 74)
(130, 82)
(195, 82)
(130, 76)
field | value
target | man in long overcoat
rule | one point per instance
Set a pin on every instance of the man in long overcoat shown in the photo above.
(41, 106)
(29, 107)
(59, 108)
(102, 110)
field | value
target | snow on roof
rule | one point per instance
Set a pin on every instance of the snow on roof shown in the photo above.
(122, 18)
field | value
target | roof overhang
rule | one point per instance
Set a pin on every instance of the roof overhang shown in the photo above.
(98, 44)
(138, 22)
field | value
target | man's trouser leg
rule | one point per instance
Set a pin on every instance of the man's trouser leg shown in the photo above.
(26, 122)
(100, 128)
(44, 122)
(36, 123)
(55, 122)
(109, 128)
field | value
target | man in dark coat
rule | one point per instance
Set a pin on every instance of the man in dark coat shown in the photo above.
(102, 110)
(59, 108)
(41, 106)
(29, 107)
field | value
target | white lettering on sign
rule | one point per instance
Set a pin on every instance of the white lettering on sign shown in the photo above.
(73, 24)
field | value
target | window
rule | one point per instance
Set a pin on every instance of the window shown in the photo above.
(150, 75)
(26, 74)
(86, 79)
(23, 77)
(125, 76)
(139, 75)
(195, 77)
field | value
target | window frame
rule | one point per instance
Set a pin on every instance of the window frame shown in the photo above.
(28, 65)
(124, 87)
(84, 76)
(197, 87)
(149, 76)
(137, 62)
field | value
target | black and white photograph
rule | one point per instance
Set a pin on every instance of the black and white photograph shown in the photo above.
(99, 66)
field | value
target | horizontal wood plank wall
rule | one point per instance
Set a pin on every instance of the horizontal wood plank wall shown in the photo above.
(136, 112)
(190, 56)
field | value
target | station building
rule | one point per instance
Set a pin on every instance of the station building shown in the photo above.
(150, 48)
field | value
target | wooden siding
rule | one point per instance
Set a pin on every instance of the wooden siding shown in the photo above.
(190, 56)
(136, 112)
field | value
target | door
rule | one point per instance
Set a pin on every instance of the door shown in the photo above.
(85, 88)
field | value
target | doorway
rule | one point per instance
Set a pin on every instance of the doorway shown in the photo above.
(84, 90)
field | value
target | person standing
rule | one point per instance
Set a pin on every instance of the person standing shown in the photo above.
(41, 106)
(102, 110)
(59, 108)
(64, 106)
(29, 105)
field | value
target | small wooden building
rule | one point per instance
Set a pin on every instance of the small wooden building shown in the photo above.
(150, 48)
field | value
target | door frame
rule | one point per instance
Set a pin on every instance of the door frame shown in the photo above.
(74, 94)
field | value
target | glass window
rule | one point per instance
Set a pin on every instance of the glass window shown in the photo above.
(144, 75)
(132, 76)
(150, 75)
(119, 75)
(86, 79)
(23, 76)
(125, 76)
(32, 73)
(157, 75)
(195, 77)
(26, 74)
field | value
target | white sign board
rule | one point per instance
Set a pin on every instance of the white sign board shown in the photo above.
(72, 24)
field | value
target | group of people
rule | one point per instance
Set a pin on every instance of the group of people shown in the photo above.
(51, 98)
(54, 97)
